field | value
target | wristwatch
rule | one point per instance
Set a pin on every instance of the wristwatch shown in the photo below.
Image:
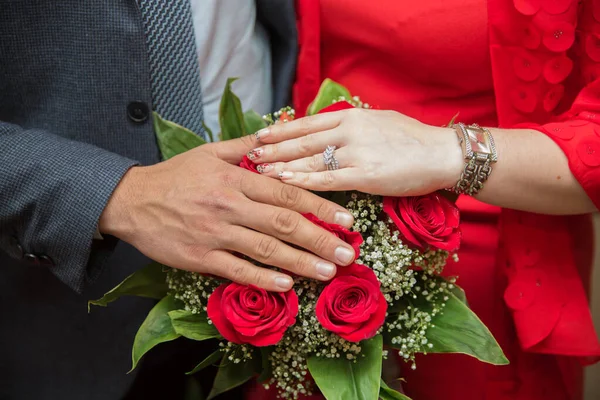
(479, 151)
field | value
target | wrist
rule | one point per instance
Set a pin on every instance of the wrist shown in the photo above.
(449, 157)
(116, 219)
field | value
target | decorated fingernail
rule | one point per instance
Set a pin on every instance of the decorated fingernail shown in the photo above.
(264, 168)
(262, 133)
(255, 154)
(286, 175)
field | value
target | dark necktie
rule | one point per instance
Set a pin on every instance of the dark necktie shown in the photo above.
(174, 69)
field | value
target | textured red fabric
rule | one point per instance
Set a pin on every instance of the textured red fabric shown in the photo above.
(505, 63)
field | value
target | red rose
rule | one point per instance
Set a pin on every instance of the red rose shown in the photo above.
(249, 165)
(248, 314)
(354, 239)
(337, 106)
(423, 221)
(352, 304)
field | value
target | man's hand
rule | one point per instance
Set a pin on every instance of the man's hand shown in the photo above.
(194, 210)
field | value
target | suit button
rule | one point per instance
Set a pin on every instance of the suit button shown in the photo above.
(138, 112)
(31, 258)
(14, 242)
(46, 261)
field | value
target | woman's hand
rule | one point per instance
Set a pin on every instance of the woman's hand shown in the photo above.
(379, 152)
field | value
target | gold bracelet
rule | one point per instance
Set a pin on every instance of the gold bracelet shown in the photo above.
(479, 151)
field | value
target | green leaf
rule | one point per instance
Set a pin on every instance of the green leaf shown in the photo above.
(459, 293)
(458, 330)
(193, 390)
(253, 122)
(231, 117)
(266, 367)
(174, 139)
(193, 326)
(328, 92)
(209, 132)
(149, 281)
(387, 393)
(210, 360)
(231, 375)
(341, 379)
(155, 329)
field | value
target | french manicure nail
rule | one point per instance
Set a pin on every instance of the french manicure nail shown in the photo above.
(264, 168)
(325, 269)
(286, 175)
(344, 255)
(262, 133)
(283, 283)
(343, 218)
(255, 154)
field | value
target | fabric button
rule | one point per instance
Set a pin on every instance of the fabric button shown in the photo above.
(553, 97)
(20, 251)
(46, 261)
(559, 37)
(531, 37)
(592, 46)
(527, 7)
(557, 69)
(527, 67)
(559, 130)
(588, 151)
(31, 258)
(529, 257)
(138, 111)
(520, 295)
(556, 6)
(523, 99)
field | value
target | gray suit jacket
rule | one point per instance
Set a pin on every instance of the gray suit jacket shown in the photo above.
(74, 76)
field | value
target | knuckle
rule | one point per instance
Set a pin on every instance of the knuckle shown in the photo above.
(286, 223)
(266, 247)
(239, 273)
(328, 178)
(258, 278)
(304, 143)
(218, 200)
(305, 125)
(321, 242)
(247, 141)
(231, 178)
(313, 163)
(324, 210)
(304, 265)
(288, 196)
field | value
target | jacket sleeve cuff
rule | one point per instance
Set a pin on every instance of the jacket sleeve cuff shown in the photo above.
(58, 190)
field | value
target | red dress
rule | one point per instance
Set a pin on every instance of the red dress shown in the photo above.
(499, 63)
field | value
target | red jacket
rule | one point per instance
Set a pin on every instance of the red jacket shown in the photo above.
(545, 62)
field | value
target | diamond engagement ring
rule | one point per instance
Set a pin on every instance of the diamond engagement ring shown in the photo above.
(329, 158)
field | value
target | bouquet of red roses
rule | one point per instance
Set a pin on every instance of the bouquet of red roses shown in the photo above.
(331, 336)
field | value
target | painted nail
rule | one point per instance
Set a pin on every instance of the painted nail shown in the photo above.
(344, 255)
(286, 175)
(343, 218)
(262, 133)
(264, 168)
(284, 283)
(255, 154)
(325, 270)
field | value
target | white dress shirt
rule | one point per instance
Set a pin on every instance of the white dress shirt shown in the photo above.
(231, 43)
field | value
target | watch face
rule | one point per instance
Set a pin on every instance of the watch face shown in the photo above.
(479, 141)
